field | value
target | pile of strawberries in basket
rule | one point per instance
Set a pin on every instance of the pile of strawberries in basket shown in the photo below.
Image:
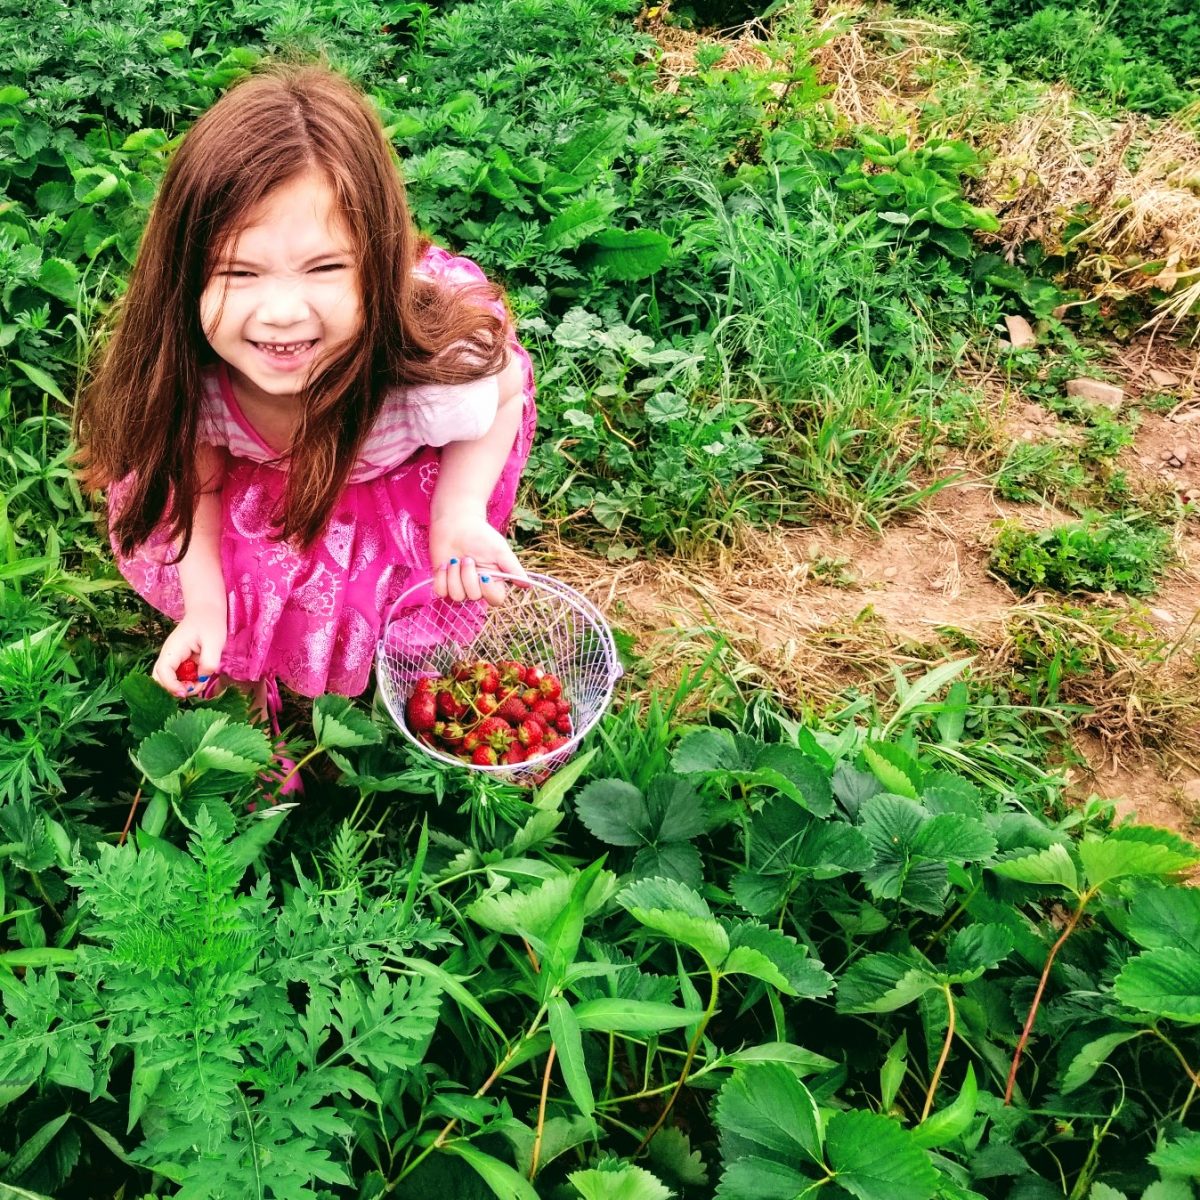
(491, 713)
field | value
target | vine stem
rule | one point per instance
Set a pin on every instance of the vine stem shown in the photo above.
(941, 1062)
(447, 1129)
(687, 1062)
(1037, 996)
(541, 1121)
(129, 819)
(1193, 1076)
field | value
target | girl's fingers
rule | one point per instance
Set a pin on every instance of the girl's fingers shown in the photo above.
(470, 580)
(439, 579)
(492, 590)
(454, 583)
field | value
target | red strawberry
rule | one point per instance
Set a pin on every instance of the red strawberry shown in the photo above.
(495, 732)
(554, 742)
(449, 707)
(513, 755)
(513, 710)
(471, 741)
(530, 696)
(483, 756)
(533, 676)
(529, 733)
(563, 724)
(421, 712)
(563, 706)
(545, 711)
(511, 672)
(486, 704)
(424, 685)
(187, 671)
(550, 687)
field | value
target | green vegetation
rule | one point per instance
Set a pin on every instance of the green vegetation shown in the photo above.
(746, 943)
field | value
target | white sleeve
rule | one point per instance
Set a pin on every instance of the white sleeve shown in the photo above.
(454, 412)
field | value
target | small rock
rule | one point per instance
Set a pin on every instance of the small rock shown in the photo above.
(1174, 458)
(1163, 379)
(1028, 435)
(1161, 614)
(1097, 392)
(1180, 453)
(890, 573)
(1020, 333)
(1191, 791)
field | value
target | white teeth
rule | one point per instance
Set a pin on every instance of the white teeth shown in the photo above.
(285, 347)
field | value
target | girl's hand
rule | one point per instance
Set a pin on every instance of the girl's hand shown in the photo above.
(464, 549)
(201, 636)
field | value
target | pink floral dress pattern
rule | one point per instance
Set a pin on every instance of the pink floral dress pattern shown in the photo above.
(311, 617)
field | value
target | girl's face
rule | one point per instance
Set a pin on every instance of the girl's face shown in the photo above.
(284, 293)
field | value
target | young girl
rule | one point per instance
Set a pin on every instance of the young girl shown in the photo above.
(303, 407)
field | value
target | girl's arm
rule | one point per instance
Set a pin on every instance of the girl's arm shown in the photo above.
(458, 512)
(202, 630)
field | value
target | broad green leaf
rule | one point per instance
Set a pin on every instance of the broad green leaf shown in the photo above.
(629, 254)
(1180, 1157)
(892, 776)
(808, 778)
(950, 837)
(11, 94)
(160, 757)
(874, 1159)
(766, 1111)
(1090, 1058)
(564, 1032)
(1052, 866)
(1135, 850)
(339, 724)
(749, 942)
(532, 913)
(1165, 982)
(150, 706)
(676, 809)
(882, 983)
(593, 148)
(977, 948)
(945, 1126)
(1169, 1189)
(59, 278)
(620, 1182)
(670, 1151)
(670, 860)
(615, 1014)
(614, 812)
(714, 750)
(1169, 917)
(237, 748)
(577, 222)
(797, 1058)
(559, 1134)
(452, 986)
(499, 1176)
(1101, 1191)
(40, 956)
(33, 1145)
(756, 1178)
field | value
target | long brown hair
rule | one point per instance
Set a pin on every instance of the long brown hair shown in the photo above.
(140, 410)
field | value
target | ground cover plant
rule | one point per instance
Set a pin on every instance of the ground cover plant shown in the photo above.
(742, 944)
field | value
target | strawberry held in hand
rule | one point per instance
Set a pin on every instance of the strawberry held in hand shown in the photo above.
(488, 714)
(187, 671)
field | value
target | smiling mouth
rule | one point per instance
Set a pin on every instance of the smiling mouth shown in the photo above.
(286, 348)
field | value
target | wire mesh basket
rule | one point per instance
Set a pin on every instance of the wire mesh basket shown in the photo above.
(545, 624)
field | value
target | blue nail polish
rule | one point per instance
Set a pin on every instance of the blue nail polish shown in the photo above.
(203, 679)
(453, 561)
(190, 689)
(485, 579)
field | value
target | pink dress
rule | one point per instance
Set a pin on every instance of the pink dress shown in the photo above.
(311, 618)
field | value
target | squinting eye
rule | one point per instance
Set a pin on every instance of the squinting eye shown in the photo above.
(331, 267)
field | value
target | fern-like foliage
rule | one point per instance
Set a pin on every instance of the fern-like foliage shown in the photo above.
(241, 1018)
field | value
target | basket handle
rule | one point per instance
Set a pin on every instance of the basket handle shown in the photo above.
(406, 596)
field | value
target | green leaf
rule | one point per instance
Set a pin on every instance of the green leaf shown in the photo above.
(713, 750)
(551, 794)
(1101, 1191)
(1169, 1189)
(1135, 850)
(1180, 1157)
(680, 913)
(150, 706)
(499, 1176)
(1052, 866)
(160, 757)
(976, 949)
(874, 1159)
(620, 1182)
(33, 1145)
(1165, 982)
(564, 1032)
(579, 220)
(799, 1060)
(593, 148)
(882, 983)
(237, 748)
(675, 809)
(891, 1074)
(1090, 1058)
(40, 379)
(670, 1151)
(950, 1123)
(614, 1014)
(60, 279)
(765, 1111)
(893, 776)
(41, 956)
(787, 960)
(614, 812)
(532, 913)
(628, 254)
(339, 724)
(670, 860)
(951, 837)
(11, 94)
(1169, 917)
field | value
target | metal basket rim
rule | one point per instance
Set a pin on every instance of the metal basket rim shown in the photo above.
(545, 583)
